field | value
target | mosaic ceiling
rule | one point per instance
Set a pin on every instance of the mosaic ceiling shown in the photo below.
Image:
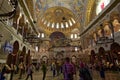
(59, 13)
(76, 6)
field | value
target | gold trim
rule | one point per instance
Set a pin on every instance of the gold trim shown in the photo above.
(90, 5)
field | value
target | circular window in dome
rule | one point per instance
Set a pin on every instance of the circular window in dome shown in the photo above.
(58, 12)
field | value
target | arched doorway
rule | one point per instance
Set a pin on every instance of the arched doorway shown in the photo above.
(57, 38)
(59, 58)
(22, 55)
(115, 52)
(92, 57)
(15, 51)
(15, 47)
(12, 56)
(101, 55)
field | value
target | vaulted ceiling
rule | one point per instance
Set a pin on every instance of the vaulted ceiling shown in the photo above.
(58, 13)
(67, 16)
(58, 19)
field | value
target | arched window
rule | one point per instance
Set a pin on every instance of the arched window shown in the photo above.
(42, 35)
(73, 20)
(62, 26)
(45, 21)
(48, 24)
(71, 36)
(53, 24)
(75, 36)
(66, 24)
(57, 25)
(70, 23)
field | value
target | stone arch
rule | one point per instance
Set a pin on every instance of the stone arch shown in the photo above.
(57, 37)
(15, 52)
(92, 56)
(115, 47)
(57, 34)
(115, 50)
(101, 51)
(15, 47)
(92, 52)
(22, 54)
(101, 54)
(11, 58)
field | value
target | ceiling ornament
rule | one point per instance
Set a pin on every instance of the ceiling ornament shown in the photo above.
(58, 12)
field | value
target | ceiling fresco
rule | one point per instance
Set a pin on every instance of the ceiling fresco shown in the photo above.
(76, 6)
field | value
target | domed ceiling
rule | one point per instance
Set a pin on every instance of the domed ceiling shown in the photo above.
(76, 6)
(59, 15)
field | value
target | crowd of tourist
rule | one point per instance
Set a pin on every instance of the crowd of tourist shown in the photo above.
(65, 67)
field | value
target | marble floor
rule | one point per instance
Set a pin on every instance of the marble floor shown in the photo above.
(37, 75)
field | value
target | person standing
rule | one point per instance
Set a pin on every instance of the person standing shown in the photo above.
(29, 71)
(84, 72)
(58, 67)
(44, 70)
(8, 67)
(81, 71)
(2, 73)
(21, 67)
(12, 71)
(54, 69)
(102, 72)
(68, 69)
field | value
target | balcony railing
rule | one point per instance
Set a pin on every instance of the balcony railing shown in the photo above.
(104, 40)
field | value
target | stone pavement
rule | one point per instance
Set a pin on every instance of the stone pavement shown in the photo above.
(38, 76)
